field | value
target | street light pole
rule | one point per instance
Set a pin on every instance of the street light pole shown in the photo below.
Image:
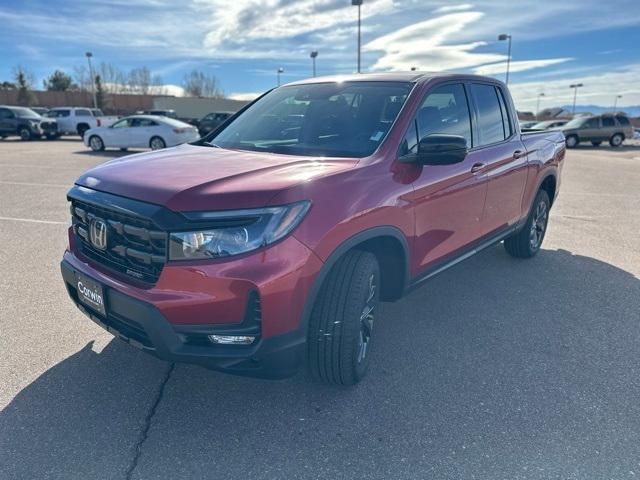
(575, 87)
(358, 3)
(538, 105)
(93, 80)
(501, 37)
(615, 102)
(313, 55)
(280, 71)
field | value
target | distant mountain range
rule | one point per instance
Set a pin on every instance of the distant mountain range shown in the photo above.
(633, 111)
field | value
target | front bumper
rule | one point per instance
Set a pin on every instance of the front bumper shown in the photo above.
(143, 326)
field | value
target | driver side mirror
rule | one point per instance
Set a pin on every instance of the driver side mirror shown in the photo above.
(441, 149)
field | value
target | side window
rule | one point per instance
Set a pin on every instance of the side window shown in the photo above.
(121, 123)
(83, 113)
(444, 110)
(623, 120)
(59, 113)
(5, 113)
(490, 123)
(608, 122)
(145, 122)
(506, 123)
(592, 123)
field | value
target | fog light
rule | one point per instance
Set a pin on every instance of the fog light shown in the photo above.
(231, 339)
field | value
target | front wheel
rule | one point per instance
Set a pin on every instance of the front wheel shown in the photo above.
(25, 133)
(342, 320)
(572, 141)
(157, 143)
(527, 241)
(96, 143)
(616, 140)
(82, 129)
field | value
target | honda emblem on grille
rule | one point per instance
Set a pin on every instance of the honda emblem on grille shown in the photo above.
(98, 233)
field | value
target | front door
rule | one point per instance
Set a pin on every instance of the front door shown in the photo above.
(448, 200)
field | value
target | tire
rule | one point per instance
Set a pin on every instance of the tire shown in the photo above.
(523, 244)
(572, 141)
(96, 143)
(596, 144)
(82, 129)
(157, 143)
(25, 133)
(341, 325)
(616, 140)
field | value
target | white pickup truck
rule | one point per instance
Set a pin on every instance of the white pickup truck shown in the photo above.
(77, 120)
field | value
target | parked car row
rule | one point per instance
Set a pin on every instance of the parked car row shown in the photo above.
(25, 123)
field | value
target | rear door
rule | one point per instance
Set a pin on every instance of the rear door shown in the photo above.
(609, 127)
(502, 156)
(7, 122)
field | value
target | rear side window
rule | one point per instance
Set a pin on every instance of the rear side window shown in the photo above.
(58, 113)
(623, 120)
(506, 123)
(608, 122)
(5, 113)
(490, 120)
(83, 113)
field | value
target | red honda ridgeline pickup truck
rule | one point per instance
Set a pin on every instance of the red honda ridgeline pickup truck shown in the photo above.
(270, 242)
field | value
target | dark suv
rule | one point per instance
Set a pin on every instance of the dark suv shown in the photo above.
(612, 128)
(212, 121)
(25, 123)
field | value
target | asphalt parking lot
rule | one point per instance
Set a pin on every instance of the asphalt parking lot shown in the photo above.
(496, 369)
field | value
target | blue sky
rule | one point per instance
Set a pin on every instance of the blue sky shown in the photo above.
(243, 42)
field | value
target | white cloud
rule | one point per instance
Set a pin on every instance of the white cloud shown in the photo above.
(453, 8)
(517, 66)
(598, 89)
(422, 45)
(246, 96)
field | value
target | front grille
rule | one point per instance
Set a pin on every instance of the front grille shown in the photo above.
(49, 126)
(135, 246)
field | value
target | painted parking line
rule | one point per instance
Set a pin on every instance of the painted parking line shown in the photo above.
(32, 220)
(34, 184)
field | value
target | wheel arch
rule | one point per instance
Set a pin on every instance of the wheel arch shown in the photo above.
(549, 184)
(388, 244)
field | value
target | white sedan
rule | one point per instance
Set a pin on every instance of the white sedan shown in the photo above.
(141, 131)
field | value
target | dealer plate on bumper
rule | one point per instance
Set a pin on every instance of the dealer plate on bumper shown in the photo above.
(90, 293)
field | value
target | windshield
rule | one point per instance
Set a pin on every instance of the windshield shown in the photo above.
(343, 119)
(24, 112)
(575, 123)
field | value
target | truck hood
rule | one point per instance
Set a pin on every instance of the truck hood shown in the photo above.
(191, 177)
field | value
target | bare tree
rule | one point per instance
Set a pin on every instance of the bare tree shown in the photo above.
(199, 84)
(140, 80)
(82, 77)
(158, 87)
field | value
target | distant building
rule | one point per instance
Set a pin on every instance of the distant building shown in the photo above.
(197, 107)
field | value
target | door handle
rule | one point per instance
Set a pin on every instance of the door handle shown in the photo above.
(519, 154)
(478, 167)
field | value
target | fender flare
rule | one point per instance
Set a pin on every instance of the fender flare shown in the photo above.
(344, 247)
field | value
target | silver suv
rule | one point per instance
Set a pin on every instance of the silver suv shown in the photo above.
(612, 128)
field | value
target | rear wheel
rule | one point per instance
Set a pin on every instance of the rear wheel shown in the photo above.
(616, 140)
(25, 133)
(342, 320)
(96, 143)
(527, 241)
(82, 129)
(596, 144)
(157, 143)
(572, 141)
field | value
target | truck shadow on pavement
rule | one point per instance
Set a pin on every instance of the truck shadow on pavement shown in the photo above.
(495, 369)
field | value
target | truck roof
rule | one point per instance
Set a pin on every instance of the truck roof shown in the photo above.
(412, 77)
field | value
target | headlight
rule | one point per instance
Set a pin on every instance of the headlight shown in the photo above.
(240, 231)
